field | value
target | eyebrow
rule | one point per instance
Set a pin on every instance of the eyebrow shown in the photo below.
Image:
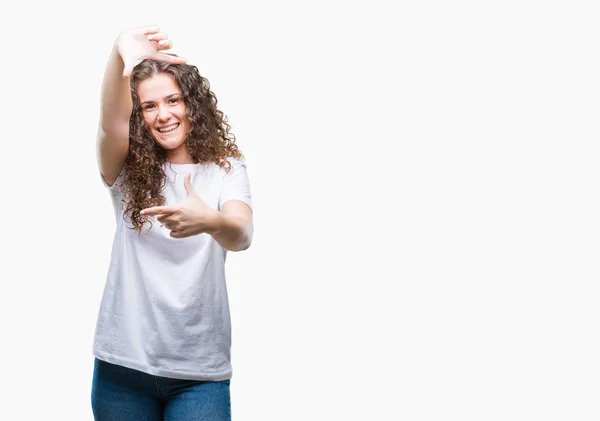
(167, 97)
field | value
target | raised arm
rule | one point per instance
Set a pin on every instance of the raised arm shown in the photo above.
(130, 48)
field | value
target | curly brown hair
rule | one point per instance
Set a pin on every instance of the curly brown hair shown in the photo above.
(208, 141)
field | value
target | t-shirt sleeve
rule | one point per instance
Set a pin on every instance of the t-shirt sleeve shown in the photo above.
(236, 185)
(114, 189)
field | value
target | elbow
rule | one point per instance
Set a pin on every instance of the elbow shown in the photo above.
(244, 242)
(242, 245)
(235, 235)
(238, 247)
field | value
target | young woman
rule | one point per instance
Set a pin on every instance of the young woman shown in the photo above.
(182, 199)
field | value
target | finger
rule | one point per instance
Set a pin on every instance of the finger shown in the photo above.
(187, 183)
(178, 234)
(164, 48)
(169, 223)
(168, 218)
(159, 36)
(165, 44)
(128, 68)
(163, 218)
(147, 30)
(157, 210)
(169, 58)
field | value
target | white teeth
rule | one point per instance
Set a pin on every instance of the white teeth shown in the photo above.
(168, 129)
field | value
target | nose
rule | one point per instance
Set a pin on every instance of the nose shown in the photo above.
(163, 113)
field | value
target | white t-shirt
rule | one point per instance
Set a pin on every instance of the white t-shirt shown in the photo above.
(165, 310)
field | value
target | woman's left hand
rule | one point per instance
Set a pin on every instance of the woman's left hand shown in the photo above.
(192, 217)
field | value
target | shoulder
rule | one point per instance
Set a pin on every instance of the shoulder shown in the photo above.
(231, 165)
(237, 163)
(230, 168)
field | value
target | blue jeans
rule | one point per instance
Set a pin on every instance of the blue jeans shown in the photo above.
(123, 394)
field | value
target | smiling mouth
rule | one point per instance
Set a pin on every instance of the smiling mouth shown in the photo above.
(168, 129)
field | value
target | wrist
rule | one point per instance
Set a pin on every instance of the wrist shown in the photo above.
(216, 221)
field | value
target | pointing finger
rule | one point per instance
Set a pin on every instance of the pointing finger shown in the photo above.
(158, 210)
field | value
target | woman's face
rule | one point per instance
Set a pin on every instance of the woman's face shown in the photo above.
(165, 113)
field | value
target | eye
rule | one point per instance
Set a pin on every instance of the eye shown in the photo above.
(148, 107)
(174, 100)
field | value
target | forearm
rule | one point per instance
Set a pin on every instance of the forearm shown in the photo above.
(116, 103)
(231, 232)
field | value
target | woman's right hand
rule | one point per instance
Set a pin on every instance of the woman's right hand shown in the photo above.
(138, 44)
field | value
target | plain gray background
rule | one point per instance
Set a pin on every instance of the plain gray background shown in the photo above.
(425, 183)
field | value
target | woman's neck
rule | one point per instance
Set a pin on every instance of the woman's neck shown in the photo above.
(180, 156)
